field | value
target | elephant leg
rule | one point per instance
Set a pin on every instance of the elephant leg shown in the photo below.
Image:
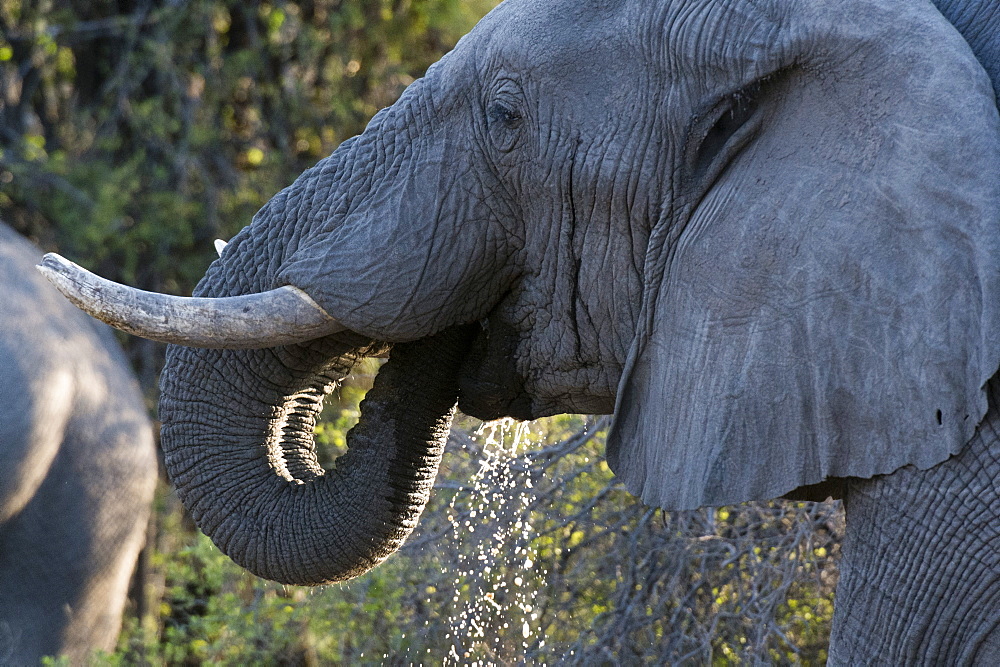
(920, 575)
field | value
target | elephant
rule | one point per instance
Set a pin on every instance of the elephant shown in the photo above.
(762, 233)
(78, 465)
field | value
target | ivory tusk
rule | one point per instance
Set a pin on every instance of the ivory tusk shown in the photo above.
(220, 245)
(280, 316)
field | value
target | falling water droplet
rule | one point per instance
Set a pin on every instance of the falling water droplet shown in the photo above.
(499, 504)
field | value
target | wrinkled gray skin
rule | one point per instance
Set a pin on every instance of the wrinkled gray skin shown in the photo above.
(763, 233)
(77, 470)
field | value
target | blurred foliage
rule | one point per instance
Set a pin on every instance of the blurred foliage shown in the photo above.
(132, 134)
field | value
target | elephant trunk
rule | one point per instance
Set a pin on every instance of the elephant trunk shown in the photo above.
(239, 448)
(363, 249)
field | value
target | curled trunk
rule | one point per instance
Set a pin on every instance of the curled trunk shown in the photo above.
(239, 447)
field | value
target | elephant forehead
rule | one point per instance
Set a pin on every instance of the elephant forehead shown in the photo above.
(555, 36)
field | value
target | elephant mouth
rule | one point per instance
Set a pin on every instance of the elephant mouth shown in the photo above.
(490, 386)
(488, 400)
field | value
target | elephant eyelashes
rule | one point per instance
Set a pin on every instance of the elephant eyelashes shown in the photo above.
(501, 113)
(504, 122)
(720, 134)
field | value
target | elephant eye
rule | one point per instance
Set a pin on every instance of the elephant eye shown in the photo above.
(504, 123)
(501, 113)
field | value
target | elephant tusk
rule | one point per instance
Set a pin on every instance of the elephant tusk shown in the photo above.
(220, 245)
(280, 316)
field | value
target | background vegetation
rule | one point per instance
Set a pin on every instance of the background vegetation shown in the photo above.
(132, 134)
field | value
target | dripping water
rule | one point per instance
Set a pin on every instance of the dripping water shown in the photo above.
(497, 566)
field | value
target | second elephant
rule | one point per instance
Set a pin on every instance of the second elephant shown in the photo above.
(77, 470)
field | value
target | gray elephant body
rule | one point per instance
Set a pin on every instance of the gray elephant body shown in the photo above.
(765, 233)
(78, 470)
(979, 24)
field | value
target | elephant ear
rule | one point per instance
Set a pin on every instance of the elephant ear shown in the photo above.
(831, 307)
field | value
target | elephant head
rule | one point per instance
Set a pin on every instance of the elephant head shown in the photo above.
(763, 233)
